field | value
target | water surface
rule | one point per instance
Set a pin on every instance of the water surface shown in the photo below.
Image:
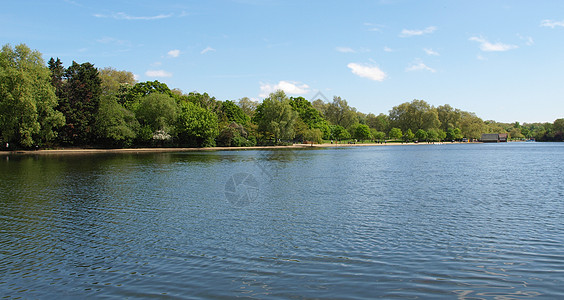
(428, 221)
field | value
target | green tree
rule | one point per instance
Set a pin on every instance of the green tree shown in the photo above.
(115, 125)
(158, 112)
(196, 125)
(433, 135)
(313, 135)
(408, 136)
(133, 97)
(340, 113)
(379, 122)
(472, 127)
(441, 134)
(79, 103)
(275, 117)
(421, 135)
(395, 133)
(27, 98)
(113, 81)
(414, 115)
(234, 113)
(310, 116)
(339, 132)
(558, 129)
(378, 135)
(248, 106)
(362, 132)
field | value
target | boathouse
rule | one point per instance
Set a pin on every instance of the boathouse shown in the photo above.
(494, 138)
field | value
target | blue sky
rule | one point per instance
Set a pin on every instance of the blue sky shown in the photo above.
(503, 60)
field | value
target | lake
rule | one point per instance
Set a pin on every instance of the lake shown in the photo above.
(467, 221)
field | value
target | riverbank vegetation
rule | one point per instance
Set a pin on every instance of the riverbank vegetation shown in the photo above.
(83, 106)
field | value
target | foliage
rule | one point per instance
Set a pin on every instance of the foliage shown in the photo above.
(339, 132)
(27, 98)
(158, 112)
(395, 133)
(421, 135)
(275, 117)
(313, 135)
(79, 102)
(362, 132)
(133, 96)
(408, 136)
(115, 125)
(196, 126)
(340, 113)
(414, 115)
(234, 113)
(114, 81)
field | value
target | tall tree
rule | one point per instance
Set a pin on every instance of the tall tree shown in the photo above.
(414, 115)
(79, 103)
(196, 126)
(275, 117)
(27, 98)
(113, 81)
(339, 112)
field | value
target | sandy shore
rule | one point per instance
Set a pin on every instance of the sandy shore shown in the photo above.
(156, 150)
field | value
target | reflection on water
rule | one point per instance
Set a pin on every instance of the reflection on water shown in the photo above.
(451, 221)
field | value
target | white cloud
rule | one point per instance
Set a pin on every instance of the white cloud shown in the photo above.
(552, 24)
(173, 53)
(345, 50)
(431, 52)
(419, 66)
(408, 33)
(486, 46)
(158, 73)
(207, 49)
(367, 71)
(136, 77)
(528, 40)
(388, 49)
(124, 16)
(289, 87)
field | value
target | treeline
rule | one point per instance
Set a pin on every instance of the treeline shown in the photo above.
(83, 106)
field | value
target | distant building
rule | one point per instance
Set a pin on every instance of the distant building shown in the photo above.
(494, 138)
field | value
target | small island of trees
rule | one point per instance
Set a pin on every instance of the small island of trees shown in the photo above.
(51, 106)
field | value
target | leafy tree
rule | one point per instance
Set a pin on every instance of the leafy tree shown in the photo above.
(234, 135)
(472, 127)
(27, 98)
(57, 73)
(449, 117)
(421, 135)
(196, 126)
(115, 125)
(248, 106)
(234, 113)
(558, 129)
(339, 132)
(395, 133)
(133, 97)
(313, 135)
(79, 103)
(408, 135)
(339, 112)
(379, 122)
(309, 115)
(362, 132)
(275, 117)
(113, 80)
(414, 115)
(158, 112)
(432, 134)
(441, 134)
(377, 135)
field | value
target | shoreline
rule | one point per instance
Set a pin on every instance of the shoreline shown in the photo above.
(164, 150)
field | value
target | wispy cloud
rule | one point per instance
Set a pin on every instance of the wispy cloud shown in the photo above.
(207, 49)
(486, 46)
(173, 53)
(367, 71)
(374, 27)
(388, 49)
(111, 40)
(124, 16)
(158, 73)
(419, 66)
(551, 23)
(431, 52)
(416, 32)
(345, 50)
(289, 87)
(528, 40)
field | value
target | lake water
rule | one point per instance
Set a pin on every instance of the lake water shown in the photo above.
(478, 221)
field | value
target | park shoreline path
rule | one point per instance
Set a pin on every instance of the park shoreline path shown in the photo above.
(63, 151)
